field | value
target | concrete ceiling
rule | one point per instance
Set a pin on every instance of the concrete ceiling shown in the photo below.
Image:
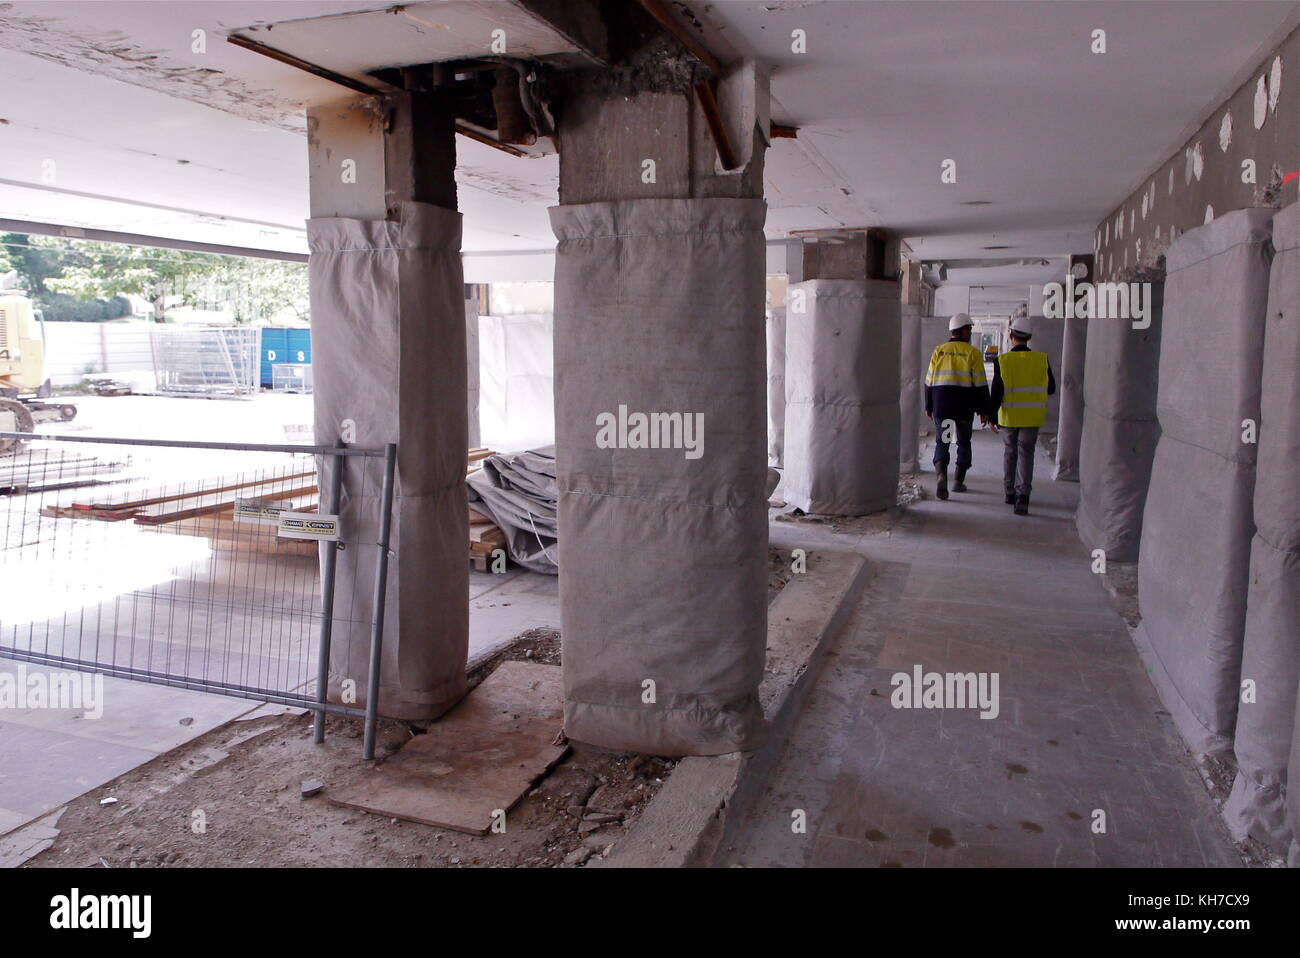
(1046, 135)
(150, 136)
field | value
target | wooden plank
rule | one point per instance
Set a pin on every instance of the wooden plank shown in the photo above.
(482, 756)
(161, 518)
(192, 494)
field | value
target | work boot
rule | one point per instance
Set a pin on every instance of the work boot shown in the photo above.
(1011, 499)
(1022, 505)
(959, 480)
(941, 488)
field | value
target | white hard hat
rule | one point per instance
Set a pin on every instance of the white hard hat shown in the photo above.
(959, 321)
(1022, 326)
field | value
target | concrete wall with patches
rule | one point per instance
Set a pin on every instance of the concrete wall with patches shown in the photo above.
(1260, 122)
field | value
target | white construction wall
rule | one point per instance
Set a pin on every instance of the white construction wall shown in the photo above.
(74, 350)
(516, 381)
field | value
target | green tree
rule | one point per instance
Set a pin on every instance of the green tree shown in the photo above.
(102, 270)
(36, 258)
(257, 289)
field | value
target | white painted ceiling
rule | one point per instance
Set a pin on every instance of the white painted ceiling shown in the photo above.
(149, 136)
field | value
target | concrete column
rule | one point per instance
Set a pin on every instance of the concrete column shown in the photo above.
(842, 377)
(1120, 431)
(1049, 337)
(659, 316)
(911, 401)
(1069, 383)
(388, 318)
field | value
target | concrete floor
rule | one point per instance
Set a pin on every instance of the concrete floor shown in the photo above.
(50, 756)
(965, 585)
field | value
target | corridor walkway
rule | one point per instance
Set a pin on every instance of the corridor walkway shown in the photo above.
(1081, 766)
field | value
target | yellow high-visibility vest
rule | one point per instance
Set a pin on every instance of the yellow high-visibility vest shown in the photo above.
(956, 363)
(1024, 388)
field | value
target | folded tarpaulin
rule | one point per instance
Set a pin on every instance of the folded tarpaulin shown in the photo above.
(517, 490)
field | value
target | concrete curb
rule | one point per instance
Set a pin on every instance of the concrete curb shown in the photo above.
(705, 796)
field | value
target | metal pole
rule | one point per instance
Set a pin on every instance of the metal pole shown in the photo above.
(327, 596)
(381, 590)
(189, 444)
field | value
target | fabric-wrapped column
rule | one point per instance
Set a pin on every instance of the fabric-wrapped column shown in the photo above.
(1049, 337)
(388, 323)
(841, 416)
(1069, 385)
(1193, 566)
(776, 386)
(659, 313)
(1120, 431)
(911, 402)
(1267, 721)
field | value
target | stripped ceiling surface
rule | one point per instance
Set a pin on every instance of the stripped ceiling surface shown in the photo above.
(140, 117)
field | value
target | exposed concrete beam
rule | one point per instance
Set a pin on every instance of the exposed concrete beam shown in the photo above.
(578, 21)
(367, 155)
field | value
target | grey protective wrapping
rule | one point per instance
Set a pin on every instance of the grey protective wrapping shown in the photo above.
(658, 309)
(911, 402)
(519, 492)
(1193, 566)
(841, 386)
(388, 345)
(1266, 727)
(776, 386)
(1293, 796)
(1049, 337)
(1120, 431)
(1069, 386)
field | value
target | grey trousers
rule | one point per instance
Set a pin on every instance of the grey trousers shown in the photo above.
(1018, 459)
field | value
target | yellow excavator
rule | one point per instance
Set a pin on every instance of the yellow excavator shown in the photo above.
(22, 370)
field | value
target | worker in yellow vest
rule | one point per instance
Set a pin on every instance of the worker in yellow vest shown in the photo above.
(956, 391)
(1022, 381)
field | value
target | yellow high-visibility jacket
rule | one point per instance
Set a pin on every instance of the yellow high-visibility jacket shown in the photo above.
(955, 384)
(1025, 376)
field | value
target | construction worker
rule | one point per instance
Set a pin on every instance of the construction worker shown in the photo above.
(1022, 381)
(956, 391)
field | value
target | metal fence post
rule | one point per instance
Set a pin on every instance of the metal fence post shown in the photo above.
(381, 590)
(327, 596)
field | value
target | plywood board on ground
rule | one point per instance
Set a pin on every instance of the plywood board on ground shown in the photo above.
(482, 756)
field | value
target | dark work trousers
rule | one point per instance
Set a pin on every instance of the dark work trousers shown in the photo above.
(1018, 459)
(961, 433)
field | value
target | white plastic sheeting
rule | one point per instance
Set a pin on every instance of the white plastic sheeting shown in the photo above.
(516, 381)
(776, 386)
(842, 385)
(659, 308)
(472, 374)
(1267, 720)
(911, 398)
(1069, 386)
(1193, 566)
(1120, 431)
(388, 347)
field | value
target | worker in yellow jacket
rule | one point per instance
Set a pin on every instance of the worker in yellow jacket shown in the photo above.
(1022, 381)
(956, 391)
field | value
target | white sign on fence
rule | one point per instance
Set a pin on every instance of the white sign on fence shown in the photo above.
(308, 525)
